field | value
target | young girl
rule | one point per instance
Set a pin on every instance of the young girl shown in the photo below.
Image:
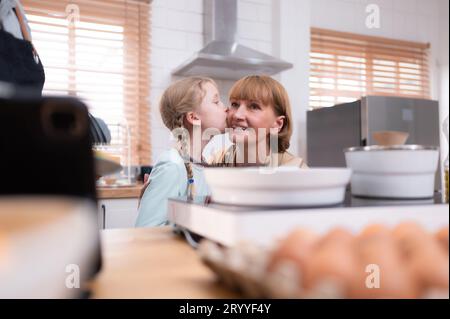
(259, 114)
(187, 105)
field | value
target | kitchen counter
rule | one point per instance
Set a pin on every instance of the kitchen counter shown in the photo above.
(152, 263)
(119, 192)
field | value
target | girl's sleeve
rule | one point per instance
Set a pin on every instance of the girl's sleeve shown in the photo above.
(164, 183)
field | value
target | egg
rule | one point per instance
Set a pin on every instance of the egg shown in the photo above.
(332, 264)
(373, 229)
(296, 249)
(442, 237)
(381, 270)
(424, 256)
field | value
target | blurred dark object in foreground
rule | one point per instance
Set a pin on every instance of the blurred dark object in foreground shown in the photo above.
(46, 149)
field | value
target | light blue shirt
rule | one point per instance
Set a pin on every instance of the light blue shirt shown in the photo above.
(167, 179)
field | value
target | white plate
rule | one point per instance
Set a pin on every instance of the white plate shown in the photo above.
(283, 186)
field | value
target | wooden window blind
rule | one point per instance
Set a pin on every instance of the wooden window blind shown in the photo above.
(98, 51)
(346, 66)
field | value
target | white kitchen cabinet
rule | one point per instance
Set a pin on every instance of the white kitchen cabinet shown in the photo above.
(117, 213)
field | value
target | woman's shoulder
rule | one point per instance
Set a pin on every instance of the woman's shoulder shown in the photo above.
(288, 159)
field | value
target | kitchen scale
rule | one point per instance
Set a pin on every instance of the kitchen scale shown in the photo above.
(229, 225)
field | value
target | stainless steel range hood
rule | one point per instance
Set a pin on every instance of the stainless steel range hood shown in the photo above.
(223, 57)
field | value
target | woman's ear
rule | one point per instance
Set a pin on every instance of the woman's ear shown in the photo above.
(279, 122)
(192, 118)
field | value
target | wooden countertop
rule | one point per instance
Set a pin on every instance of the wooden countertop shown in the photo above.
(152, 263)
(119, 192)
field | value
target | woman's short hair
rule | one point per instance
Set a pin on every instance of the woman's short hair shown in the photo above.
(269, 92)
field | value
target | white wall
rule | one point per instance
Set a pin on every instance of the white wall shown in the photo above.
(291, 25)
(281, 28)
(177, 28)
(411, 20)
(177, 32)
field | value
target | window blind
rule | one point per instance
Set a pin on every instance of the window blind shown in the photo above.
(98, 51)
(346, 66)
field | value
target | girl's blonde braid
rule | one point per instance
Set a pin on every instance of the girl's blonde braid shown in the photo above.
(183, 150)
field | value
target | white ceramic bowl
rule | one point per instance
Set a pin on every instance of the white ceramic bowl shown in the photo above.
(282, 186)
(402, 171)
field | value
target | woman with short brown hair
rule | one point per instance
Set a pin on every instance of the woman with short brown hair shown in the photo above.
(259, 123)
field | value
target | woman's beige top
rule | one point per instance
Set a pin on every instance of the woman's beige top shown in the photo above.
(227, 158)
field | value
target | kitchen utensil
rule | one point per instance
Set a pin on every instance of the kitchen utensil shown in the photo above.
(282, 186)
(402, 171)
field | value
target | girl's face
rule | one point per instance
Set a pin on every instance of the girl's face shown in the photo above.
(246, 117)
(212, 112)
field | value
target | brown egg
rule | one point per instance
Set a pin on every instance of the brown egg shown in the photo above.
(373, 229)
(424, 256)
(339, 234)
(406, 229)
(442, 237)
(381, 270)
(332, 263)
(296, 247)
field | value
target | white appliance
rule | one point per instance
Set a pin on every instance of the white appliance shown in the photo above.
(229, 225)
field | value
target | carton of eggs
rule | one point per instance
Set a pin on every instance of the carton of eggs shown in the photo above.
(404, 262)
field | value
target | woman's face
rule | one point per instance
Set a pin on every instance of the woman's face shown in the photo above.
(246, 117)
(212, 112)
